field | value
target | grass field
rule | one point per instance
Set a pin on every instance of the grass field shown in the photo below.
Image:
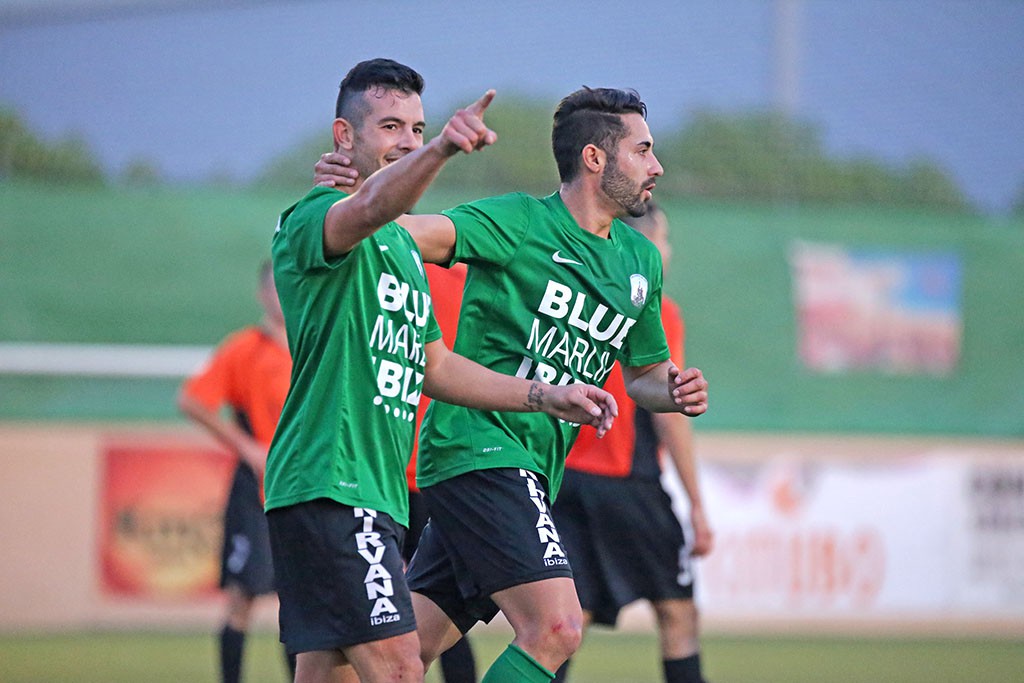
(606, 657)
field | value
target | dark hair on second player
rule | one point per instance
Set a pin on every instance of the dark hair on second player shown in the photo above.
(266, 270)
(373, 73)
(591, 116)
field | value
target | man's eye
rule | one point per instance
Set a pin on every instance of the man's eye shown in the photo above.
(418, 131)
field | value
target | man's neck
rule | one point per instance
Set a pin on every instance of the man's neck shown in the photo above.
(589, 208)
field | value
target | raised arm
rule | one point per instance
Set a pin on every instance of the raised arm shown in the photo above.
(664, 388)
(434, 233)
(394, 189)
(457, 380)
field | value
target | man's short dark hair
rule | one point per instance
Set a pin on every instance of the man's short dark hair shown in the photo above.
(385, 74)
(591, 116)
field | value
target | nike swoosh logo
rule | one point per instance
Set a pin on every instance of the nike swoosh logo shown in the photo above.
(558, 258)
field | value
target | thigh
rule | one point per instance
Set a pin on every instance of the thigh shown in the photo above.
(392, 659)
(495, 531)
(539, 604)
(340, 576)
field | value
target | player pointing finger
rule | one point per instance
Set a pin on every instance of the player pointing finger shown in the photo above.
(466, 130)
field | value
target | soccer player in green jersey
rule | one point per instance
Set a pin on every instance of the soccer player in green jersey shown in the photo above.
(558, 289)
(364, 344)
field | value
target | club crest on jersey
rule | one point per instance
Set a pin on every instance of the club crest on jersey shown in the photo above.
(638, 289)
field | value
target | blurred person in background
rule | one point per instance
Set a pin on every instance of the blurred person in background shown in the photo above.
(623, 538)
(248, 374)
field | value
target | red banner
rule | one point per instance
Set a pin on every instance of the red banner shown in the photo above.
(161, 519)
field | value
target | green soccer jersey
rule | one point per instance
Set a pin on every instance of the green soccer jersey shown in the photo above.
(357, 328)
(544, 299)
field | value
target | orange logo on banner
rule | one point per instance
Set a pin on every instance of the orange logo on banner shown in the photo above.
(162, 519)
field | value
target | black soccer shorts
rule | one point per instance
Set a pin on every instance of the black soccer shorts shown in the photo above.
(339, 575)
(489, 530)
(624, 540)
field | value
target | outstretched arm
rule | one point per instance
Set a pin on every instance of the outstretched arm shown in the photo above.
(456, 379)
(395, 189)
(664, 388)
(434, 234)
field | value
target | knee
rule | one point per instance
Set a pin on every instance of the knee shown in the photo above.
(558, 637)
(678, 617)
(408, 669)
(239, 612)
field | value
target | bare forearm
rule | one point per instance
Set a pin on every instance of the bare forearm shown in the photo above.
(383, 197)
(663, 388)
(649, 388)
(675, 433)
(460, 381)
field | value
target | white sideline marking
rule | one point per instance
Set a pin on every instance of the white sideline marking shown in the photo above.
(107, 360)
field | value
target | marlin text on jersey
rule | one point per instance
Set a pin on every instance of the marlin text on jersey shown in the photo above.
(400, 337)
(569, 353)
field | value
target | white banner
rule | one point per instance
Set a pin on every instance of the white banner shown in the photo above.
(924, 536)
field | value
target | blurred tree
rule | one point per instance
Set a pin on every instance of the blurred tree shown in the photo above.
(521, 161)
(140, 173)
(753, 156)
(293, 170)
(1017, 208)
(770, 157)
(24, 155)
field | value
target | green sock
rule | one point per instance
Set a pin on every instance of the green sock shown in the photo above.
(515, 666)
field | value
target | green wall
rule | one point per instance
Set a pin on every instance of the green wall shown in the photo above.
(178, 266)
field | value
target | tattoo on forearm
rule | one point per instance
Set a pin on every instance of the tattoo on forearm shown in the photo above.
(535, 397)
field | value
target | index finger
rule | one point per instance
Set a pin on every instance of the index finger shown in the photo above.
(480, 106)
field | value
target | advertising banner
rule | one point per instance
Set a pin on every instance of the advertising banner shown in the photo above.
(161, 519)
(880, 310)
(934, 535)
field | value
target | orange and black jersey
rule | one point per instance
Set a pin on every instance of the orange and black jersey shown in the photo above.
(630, 448)
(250, 373)
(446, 285)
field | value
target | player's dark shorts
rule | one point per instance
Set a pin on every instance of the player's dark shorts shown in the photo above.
(489, 530)
(624, 540)
(417, 521)
(339, 575)
(245, 556)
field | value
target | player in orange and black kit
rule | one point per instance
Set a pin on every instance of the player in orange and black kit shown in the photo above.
(457, 665)
(249, 373)
(615, 519)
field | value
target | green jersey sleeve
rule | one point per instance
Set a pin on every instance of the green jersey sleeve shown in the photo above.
(490, 230)
(302, 226)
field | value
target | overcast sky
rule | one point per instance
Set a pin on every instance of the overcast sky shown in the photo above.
(204, 87)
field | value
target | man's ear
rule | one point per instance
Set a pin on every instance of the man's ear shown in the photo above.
(344, 135)
(594, 158)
